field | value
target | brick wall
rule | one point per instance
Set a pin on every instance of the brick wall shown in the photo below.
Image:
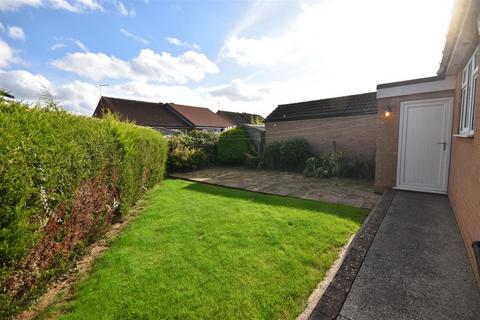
(464, 179)
(354, 135)
(387, 137)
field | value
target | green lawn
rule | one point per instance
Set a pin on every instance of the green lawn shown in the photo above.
(198, 251)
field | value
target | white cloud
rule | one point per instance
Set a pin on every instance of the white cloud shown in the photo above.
(179, 43)
(68, 5)
(237, 90)
(80, 44)
(23, 84)
(147, 66)
(17, 33)
(124, 11)
(77, 96)
(2, 27)
(57, 46)
(8, 55)
(82, 97)
(339, 47)
(134, 37)
(7, 5)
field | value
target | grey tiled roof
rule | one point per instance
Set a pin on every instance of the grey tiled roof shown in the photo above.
(359, 104)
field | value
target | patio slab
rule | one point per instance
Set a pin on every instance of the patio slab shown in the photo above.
(353, 192)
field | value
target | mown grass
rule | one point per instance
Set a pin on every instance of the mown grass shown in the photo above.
(205, 252)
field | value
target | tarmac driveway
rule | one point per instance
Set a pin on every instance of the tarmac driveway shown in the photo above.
(416, 267)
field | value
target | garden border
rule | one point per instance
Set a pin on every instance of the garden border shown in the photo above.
(332, 300)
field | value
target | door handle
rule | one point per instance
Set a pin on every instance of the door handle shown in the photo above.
(444, 145)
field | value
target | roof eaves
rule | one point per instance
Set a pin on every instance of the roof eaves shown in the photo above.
(178, 114)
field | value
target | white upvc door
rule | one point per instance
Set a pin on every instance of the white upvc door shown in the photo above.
(424, 145)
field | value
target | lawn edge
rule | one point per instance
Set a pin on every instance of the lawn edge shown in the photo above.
(323, 285)
(369, 226)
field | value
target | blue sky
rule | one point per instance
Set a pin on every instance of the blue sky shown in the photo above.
(233, 55)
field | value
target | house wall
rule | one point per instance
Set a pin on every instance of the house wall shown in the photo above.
(387, 136)
(354, 135)
(464, 179)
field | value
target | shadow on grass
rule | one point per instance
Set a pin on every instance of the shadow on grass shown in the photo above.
(355, 214)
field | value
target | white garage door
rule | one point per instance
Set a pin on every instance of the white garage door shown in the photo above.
(424, 145)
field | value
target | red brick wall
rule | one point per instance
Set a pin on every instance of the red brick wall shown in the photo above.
(464, 179)
(354, 135)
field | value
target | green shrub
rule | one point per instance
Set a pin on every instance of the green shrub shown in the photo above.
(183, 158)
(192, 151)
(62, 180)
(326, 166)
(293, 154)
(288, 154)
(357, 167)
(339, 165)
(233, 146)
(271, 156)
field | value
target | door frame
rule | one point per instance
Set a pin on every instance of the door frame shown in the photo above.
(401, 143)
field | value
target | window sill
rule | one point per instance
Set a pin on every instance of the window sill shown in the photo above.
(464, 135)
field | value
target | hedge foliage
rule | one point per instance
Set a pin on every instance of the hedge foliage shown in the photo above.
(62, 180)
(234, 147)
(288, 154)
(192, 151)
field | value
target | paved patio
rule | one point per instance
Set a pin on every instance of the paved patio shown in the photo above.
(356, 193)
(416, 267)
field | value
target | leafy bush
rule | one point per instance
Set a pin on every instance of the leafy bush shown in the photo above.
(356, 167)
(325, 166)
(289, 154)
(63, 178)
(271, 156)
(233, 146)
(333, 165)
(293, 154)
(192, 151)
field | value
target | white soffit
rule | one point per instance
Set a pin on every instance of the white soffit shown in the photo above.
(424, 87)
(467, 39)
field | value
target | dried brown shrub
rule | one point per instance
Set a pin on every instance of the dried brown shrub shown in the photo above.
(68, 228)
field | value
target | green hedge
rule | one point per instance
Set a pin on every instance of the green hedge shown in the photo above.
(288, 154)
(234, 147)
(192, 151)
(63, 178)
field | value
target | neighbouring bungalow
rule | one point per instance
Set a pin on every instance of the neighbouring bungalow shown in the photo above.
(347, 124)
(168, 118)
(239, 118)
(428, 136)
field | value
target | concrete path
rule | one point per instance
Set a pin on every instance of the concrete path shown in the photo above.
(416, 267)
(353, 192)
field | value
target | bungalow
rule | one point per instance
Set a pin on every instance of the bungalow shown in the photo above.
(168, 118)
(238, 118)
(428, 135)
(348, 124)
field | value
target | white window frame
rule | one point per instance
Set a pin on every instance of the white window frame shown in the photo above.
(469, 94)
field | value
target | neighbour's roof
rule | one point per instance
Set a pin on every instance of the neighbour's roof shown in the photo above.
(200, 117)
(358, 104)
(238, 118)
(6, 94)
(141, 112)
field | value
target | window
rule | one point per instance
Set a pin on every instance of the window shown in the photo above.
(469, 94)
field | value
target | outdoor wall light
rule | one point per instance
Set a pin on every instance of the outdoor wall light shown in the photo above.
(388, 111)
